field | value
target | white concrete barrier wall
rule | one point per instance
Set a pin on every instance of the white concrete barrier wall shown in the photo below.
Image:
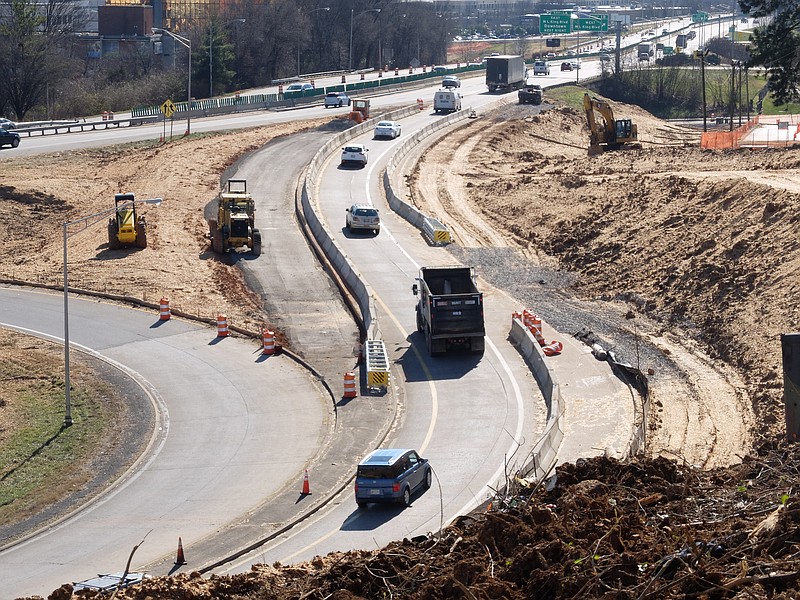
(545, 452)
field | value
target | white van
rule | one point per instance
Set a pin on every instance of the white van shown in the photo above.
(446, 101)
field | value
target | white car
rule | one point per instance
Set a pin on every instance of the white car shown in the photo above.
(451, 81)
(298, 87)
(363, 216)
(7, 124)
(389, 129)
(541, 67)
(354, 154)
(336, 99)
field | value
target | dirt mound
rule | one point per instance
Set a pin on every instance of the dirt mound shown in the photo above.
(598, 529)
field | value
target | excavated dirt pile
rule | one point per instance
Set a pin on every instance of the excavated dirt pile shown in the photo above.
(598, 529)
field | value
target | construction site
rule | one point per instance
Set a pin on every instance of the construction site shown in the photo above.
(689, 260)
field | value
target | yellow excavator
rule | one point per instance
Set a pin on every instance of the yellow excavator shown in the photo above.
(234, 227)
(609, 134)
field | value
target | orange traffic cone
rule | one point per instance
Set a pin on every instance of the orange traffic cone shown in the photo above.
(306, 488)
(180, 559)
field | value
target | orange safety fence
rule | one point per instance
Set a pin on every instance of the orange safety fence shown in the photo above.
(718, 140)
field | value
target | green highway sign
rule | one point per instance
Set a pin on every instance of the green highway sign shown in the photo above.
(668, 50)
(700, 17)
(599, 23)
(555, 23)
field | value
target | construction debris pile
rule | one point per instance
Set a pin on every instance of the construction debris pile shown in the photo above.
(597, 529)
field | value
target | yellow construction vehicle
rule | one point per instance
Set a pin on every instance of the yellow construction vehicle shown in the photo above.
(126, 228)
(610, 134)
(234, 226)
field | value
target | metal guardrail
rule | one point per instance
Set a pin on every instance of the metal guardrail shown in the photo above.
(80, 126)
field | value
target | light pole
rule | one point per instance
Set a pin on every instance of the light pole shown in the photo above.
(363, 12)
(86, 222)
(188, 45)
(325, 8)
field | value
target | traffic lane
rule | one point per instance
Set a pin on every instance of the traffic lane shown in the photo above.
(224, 453)
(379, 99)
(391, 270)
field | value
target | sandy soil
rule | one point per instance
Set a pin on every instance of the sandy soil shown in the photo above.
(694, 254)
(706, 259)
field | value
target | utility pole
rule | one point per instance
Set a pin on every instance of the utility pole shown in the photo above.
(731, 102)
(703, 85)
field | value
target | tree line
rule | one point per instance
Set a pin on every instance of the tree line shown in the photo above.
(46, 73)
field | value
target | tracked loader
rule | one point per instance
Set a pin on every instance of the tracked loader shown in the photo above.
(126, 228)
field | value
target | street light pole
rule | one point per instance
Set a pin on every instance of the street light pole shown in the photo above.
(186, 43)
(211, 59)
(86, 221)
(363, 12)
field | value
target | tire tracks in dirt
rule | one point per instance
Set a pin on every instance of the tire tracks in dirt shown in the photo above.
(700, 413)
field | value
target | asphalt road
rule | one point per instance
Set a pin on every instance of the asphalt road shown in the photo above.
(218, 449)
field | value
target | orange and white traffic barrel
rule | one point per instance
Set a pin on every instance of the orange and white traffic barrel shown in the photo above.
(222, 326)
(164, 312)
(420, 103)
(350, 385)
(268, 342)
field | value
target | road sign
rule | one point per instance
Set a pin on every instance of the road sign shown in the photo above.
(599, 23)
(700, 17)
(555, 23)
(669, 50)
(168, 108)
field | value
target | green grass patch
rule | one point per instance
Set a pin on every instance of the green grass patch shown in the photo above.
(569, 95)
(41, 461)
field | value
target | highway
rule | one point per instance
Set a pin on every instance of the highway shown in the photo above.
(473, 417)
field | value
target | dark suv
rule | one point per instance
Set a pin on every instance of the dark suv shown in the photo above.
(8, 138)
(391, 475)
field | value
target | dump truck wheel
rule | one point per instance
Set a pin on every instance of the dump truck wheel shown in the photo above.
(256, 242)
(113, 230)
(141, 234)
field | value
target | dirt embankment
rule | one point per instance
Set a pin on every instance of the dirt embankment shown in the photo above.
(700, 247)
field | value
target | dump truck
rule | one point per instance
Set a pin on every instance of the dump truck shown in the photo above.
(449, 309)
(234, 227)
(531, 93)
(505, 72)
(126, 227)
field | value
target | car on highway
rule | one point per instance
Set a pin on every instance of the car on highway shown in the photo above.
(566, 66)
(391, 475)
(8, 138)
(387, 129)
(541, 67)
(362, 216)
(451, 81)
(336, 99)
(7, 124)
(298, 87)
(354, 154)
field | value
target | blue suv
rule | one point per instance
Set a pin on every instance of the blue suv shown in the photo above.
(391, 475)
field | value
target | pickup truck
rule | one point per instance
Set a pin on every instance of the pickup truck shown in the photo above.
(530, 94)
